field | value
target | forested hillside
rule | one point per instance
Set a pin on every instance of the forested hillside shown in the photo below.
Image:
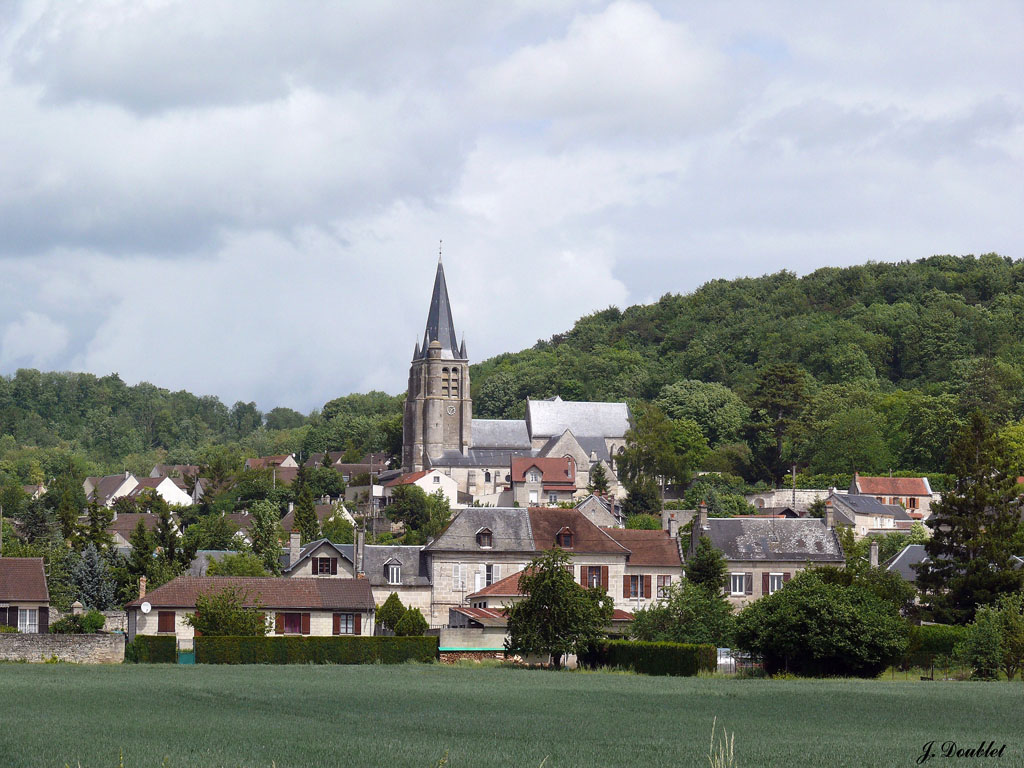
(870, 368)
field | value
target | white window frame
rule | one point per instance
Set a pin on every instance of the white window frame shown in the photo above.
(28, 621)
(534, 476)
(394, 573)
(346, 624)
(742, 582)
(662, 589)
(775, 582)
(552, 497)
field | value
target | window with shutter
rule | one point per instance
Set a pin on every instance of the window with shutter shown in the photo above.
(625, 586)
(305, 623)
(765, 584)
(357, 627)
(604, 577)
(337, 624)
(647, 587)
(749, 579)
(279, 624)
(775, 582)
(165, 621)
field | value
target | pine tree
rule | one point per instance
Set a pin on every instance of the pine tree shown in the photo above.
(598, 479)
(93, 579)
(973, 527)
(305, 515)
(389, 614)
(96, 529)
(266, 535)
(140, 561)
(706, 566)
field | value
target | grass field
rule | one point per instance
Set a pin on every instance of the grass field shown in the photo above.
(411, 715)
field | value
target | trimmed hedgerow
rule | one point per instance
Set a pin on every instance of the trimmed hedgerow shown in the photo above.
(683, 659)
(152, 649)
(930, 641)
(315, 650)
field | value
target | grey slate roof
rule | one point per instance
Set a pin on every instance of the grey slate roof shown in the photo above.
(768, 539)
(547, 418)
(500, 433)
(414, 564)
(509, 526)
(844, 504)
(902, 561)
(201, 562)
(475, 457)
(440, 326)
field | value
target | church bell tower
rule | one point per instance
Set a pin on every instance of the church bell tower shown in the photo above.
(438, 408)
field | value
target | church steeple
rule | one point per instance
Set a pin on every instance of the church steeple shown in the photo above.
(440, 326)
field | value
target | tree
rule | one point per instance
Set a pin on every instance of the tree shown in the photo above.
(213, 531)
(642, 498)
(266, 536)
(691, 614)
(643, 522)
(306, 521)
(974, 530)
(439, 514)
(95, 533)
(715, 408)
(240, 564)
(140, 559)
(557, 616)
(657, 446)
(813, 628)
(707, 567)
(780, 396)
(92, 577)
(408, 505)
(817, 508)
(37, 522)
(982, 649)
(389, 614)
(412, 624)
(598, 479)
(338, 530)
(224, 612)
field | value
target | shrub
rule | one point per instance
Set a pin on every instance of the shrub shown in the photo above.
(152, 649)
(81, 624)
(6, 629)
(223, 612)
(412, 624)
(982, 647)
(389, 614)
(815, 629)
(681, 659)
(930, 641)
(692, 614)
(315, 650)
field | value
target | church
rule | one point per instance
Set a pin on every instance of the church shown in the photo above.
(439, 431)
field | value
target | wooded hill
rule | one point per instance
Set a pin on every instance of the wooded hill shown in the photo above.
(870, 367)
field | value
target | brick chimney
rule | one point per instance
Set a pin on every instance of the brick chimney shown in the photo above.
(294, 548)
(700, 525)
(671, 524)
(142, 587)
(874, 553)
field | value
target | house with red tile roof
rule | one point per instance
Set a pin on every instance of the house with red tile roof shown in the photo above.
(429, 480)
(109, 488)
(284, 461)
(543, 481)
(24, 597)
(171, 489)
(293, 606)
(913, 493)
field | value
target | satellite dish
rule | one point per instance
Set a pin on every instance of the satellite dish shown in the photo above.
(146, 607)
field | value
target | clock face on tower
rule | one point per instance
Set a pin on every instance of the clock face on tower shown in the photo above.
(451, 410)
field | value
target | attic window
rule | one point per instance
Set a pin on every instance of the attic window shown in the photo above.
(394, 573)
(564, 538)
(534, 476)
(483, 537)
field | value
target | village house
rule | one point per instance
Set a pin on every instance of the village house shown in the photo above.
(124, 524)
(428, 480)
(284, 461)
(293, 606)
(654, 564)
(325, 511)
(541, 481)
(602, 511)
(913, 493)
(762, 554)
(867, 515)
(109, 488)
(174, 470)
(24, 596)
(171, 489)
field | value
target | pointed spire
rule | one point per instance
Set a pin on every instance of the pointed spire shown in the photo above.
(440, 326)
(462, 349)
(416, 352)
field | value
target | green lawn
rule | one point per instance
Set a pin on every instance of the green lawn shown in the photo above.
(410, 715)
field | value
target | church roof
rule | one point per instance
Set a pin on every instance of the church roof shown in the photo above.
(500, 433)
(440, 327)
(476, 457)
(547, 418)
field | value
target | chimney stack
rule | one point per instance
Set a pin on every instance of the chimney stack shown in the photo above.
(291, 506)
(874, 553)
(294, 547)
(700, 525)
(672, 524)
(359, 551)
(142, 587)
(830, 515)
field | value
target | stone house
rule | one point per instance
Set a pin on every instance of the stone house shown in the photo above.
(24, 597)
(602, 511)
(284, 461)
(762, 554)
(171, 489)
(654, 564)
(428, 480)
(295, 606)
(866, 514)
(913, 493)
(109, 488)
(124, 524)
(543, 481)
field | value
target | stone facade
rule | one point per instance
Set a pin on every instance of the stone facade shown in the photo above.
(800, 500)
(79, 649)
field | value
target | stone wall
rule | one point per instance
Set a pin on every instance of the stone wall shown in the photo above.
(80, 649)
(116, 621)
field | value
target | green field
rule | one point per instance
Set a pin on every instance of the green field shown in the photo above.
(411, 715)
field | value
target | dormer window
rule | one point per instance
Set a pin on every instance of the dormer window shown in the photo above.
(484, 538)
(564, 538)
(534, 476)
(393, 571)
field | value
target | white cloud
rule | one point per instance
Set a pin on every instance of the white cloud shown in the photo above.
(32, 340)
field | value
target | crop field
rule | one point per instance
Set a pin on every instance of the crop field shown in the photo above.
(413, 715)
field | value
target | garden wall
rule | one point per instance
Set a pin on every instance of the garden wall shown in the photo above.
(115, 621)
(80, 649)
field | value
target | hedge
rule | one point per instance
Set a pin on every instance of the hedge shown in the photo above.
(682, 659)
(152, 649)
(315, 650)
(929, 641)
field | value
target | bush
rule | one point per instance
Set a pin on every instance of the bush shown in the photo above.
(815, 629)
(315, 650)
(982, 647)
(6, 629)
(681, 659)
(930, 641)
(152, 649)
(389, 614)
(412, 624)
(81, 624)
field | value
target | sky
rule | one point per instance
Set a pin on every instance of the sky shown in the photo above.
(247, 199)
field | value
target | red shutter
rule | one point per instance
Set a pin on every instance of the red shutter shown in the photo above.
(625, 586)
(44, 620)
(785, 577)
(279, 624)
(305, 623)
(583, 576)
(337, 623)
(647, 586)
(764, 584)
(357, 623)
(165, 621)
(604, 577)
(334, 566)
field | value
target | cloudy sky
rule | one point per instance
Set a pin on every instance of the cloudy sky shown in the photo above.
(246, 199)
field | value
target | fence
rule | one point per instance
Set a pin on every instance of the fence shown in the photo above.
(80, 649)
